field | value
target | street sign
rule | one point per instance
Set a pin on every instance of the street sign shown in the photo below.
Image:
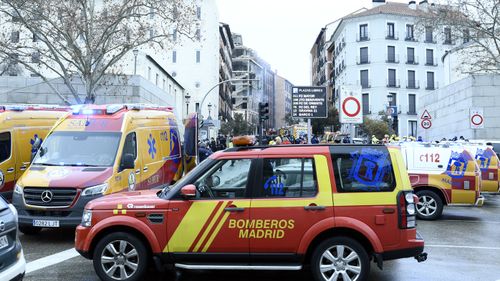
(426, 115)
(392, 110)
(426, 124)
(351, 106)
(476, 118)
(309, 102)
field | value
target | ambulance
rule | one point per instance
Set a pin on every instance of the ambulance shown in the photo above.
(488, 162)
(21, 127)
(441, 175)
(94, 151)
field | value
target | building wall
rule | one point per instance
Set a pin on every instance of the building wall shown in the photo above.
(449, 108)
(283, 101)
(226, 47)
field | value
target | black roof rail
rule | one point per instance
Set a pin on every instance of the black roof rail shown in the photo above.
(239, 148)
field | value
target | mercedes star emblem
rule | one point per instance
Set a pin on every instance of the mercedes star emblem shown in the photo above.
(2, 226)
(47, 196)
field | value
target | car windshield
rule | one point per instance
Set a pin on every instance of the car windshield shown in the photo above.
(78, 149)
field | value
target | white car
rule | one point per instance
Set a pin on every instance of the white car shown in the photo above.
(12, 262)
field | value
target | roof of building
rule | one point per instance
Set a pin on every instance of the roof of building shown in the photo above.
(393, 8)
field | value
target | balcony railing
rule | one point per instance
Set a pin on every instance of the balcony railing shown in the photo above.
(429, 40)
(431, 62)
(394, 59)
(364, 84)
(393, 83)
(363, 60)
(432, 86)
(363, 37)
(412, 84)
(409, 37)
(411, 60)
(393, 36)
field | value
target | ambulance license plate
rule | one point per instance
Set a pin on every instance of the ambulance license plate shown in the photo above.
(45, 223)
(4, 242)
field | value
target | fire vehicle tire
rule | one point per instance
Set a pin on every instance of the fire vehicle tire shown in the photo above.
(429, 206)
(120, 256)
(340, 258)
(30, 230)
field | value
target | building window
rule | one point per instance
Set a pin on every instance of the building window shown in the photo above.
(429, 57)
(428, 35)
(198, 12)
(151, 13)
(393, 100)
(412, 128)
(197, 106)
(366, 104)
(149, 73)
(174, 56)
(163, 85)
(151, 33)
(157, 78)
(364, 79)
(14, 37)
(466, 36)
(198, 34)
(169, 89)
(198, 56)
(391, 54)
(35, 37)
(363, 32)
(390, 31)
(35, 57)
(363, 55)
(410, 56)
(174, 34)
(391, 78)
(411, 80)
(409, 33)
(447, 35)
(430, 80)
(412, 105)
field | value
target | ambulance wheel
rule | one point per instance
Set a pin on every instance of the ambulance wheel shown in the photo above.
(120, 256)
(340, 258)
(30, 230)
(429, 206)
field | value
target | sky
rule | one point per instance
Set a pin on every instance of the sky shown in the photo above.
(283, 31)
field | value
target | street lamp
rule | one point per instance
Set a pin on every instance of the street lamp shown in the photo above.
(135, 52)
(187, 98)
(209, 109)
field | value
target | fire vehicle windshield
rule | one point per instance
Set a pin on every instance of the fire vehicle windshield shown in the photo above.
(79, 149)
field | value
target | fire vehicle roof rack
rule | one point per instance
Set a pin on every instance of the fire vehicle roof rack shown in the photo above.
(146, 106)
(240, 148)
(22, 107)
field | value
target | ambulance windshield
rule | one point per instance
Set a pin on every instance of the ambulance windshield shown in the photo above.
(85, 149)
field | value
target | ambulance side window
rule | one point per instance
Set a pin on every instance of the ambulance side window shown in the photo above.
(130, 146)
(5, 146)
(363, 169)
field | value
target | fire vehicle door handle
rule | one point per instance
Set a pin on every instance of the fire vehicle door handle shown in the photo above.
(234, 209)
(440, 166)
(22, 168)
(314, 208)
(145, 169)
(10, 170)
(138, 171)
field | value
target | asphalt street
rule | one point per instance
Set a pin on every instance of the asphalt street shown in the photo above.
(463, 245)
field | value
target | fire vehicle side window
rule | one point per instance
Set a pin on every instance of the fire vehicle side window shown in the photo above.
(130, 146)
(288, 177)
(226, 179)
(5, 146)
(363, 169)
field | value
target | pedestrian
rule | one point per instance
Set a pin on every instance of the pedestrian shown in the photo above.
(213, 144)
(203, 152)
(314, 140)
(286, 140)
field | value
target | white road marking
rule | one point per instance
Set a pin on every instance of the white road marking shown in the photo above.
(463, 247)
(486, 222)
(51, 260)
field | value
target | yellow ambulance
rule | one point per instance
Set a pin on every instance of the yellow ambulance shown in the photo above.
(489, 164)
(94, 151)
(441, 174)
(21, 127)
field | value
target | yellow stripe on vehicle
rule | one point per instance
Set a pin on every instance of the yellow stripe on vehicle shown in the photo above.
(216, 232)
(210, 226)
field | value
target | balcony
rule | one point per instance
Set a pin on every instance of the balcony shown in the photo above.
(412, 84)
(410, 38)
(362, 60)
(394, 59)
(448, 42)
(393, 36)
(432, 86)
(365, 84)
(431, 62)
(429, 40)
(362, 37)
(411, 60)
(393, 83)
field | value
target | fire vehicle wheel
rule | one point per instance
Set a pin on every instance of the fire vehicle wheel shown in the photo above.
(30, 230)
(429, 206)
(340, 258)
(120, 256)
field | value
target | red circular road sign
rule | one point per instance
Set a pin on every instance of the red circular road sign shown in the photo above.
(426, 123)
(477, 119)
(356, 104)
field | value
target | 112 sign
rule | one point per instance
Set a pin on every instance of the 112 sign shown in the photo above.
(430, 157)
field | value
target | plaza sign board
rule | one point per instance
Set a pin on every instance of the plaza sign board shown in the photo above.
(309, 102)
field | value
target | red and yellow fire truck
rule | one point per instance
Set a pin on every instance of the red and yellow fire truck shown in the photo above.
(262, 208)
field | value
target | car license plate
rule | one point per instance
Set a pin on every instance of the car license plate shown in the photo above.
(45, 223)
(4, 242)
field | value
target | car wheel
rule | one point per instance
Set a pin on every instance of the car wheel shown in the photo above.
(30, 230)
(340, 258)
(429, 206)
(120, 256)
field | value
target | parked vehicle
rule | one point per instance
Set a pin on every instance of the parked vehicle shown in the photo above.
(12, 262)
(95, 151)
(489, 164)
(262, 208)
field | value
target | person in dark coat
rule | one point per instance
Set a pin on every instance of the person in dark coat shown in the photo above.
(203, 152)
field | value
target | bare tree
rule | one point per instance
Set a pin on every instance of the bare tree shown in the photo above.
(85, 40)
(475, 26)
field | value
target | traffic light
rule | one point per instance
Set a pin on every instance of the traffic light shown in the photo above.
(263, 111)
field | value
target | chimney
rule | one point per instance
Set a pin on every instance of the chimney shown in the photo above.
(412, 5)
(376, 3)
(423, 5)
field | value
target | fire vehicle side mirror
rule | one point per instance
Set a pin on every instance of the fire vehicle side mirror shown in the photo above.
(188, 191)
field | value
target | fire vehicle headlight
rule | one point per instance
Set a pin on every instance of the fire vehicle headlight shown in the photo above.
(18, 189)
(409, 198)
(410, 209)
(87, 218)
(95, 190)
